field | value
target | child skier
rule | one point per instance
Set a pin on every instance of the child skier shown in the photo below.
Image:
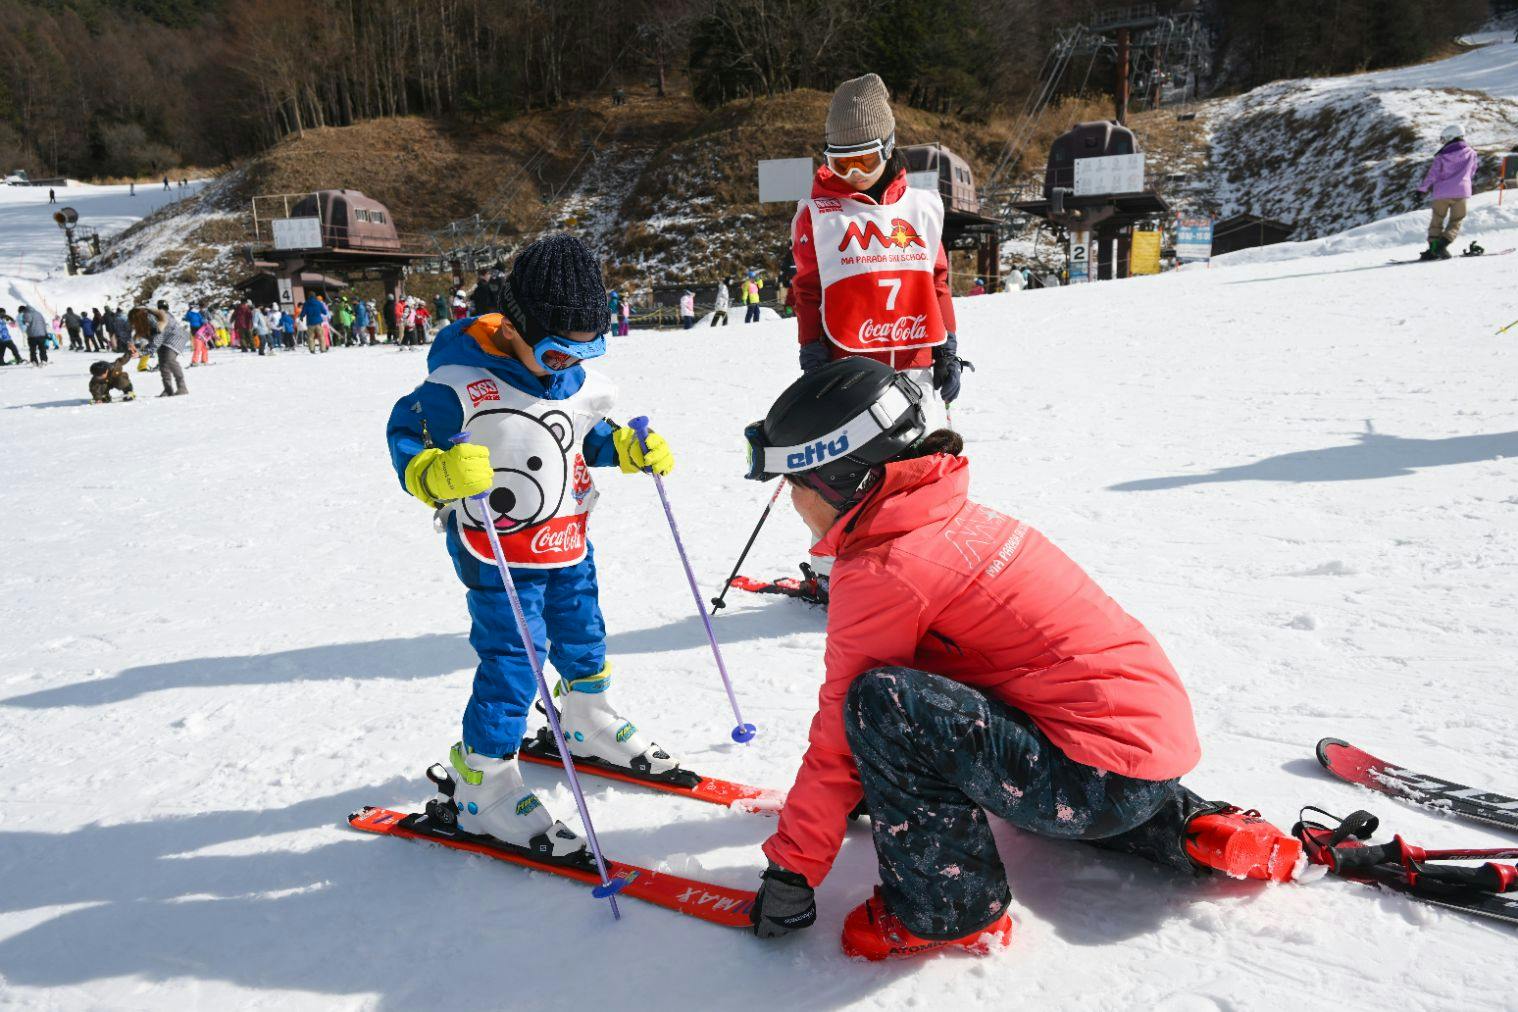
(971, 667)
(872, 277)
(108, 376)
(537, 422)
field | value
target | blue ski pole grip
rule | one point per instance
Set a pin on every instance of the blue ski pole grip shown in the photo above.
(639, 426)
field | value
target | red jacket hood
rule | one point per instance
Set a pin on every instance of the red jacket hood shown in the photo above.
(912, 494)
(827, 184)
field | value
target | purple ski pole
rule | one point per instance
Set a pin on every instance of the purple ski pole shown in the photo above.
(609, 887)
(742, 732)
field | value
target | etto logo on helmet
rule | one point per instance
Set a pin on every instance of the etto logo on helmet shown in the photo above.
(819, 451)
(902, 235)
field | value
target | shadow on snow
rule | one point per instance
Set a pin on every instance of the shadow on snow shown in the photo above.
(1372, 455)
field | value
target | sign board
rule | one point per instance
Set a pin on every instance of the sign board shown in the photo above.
(1144, 253)
(925, 180)
(1080, 257)
(297, 233)
(286, 293)
(1109, 174)
(785, 179)
(1193, 239)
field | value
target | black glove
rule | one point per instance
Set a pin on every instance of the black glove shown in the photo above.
(784, 904)
(814, 355)
(947, 366)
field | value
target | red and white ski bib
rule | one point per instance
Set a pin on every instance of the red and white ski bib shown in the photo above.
(543, 492)
(875, 263)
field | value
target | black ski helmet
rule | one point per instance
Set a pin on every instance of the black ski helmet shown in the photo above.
(835, 426)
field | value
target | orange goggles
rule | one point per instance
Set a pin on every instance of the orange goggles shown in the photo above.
(863, 160)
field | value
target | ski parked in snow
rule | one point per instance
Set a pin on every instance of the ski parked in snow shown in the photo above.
(718, 904)
(1357, 766)
(809, 587)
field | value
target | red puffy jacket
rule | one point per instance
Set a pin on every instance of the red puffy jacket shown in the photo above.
(926, 579)
(806, 288)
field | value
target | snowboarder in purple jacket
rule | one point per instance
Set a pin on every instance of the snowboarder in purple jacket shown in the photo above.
(1449, 180)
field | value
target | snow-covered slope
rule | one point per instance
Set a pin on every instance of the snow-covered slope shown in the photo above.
(1332, 153)
(227, 627)
(33, 255)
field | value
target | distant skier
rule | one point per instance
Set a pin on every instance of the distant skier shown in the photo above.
(171, 339)
(723, 301)
(8, 338)
(538, 422)
(1449, 180)
(970, 668)
(687, 309)
(751, 295)
(72, 323)
(108, 376)
(34, 324)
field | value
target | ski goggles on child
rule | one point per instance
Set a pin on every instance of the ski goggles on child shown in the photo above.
(859, 159)
(558, 354)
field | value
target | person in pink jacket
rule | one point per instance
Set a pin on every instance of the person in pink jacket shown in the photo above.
(971, 668)
(1449, 181)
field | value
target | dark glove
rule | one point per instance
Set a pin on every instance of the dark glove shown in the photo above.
(784, 904)
(814, 355)
(947, 366)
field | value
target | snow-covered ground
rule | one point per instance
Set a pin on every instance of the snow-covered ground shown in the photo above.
(227, 627)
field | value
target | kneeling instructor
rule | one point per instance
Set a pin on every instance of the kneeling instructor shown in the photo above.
(971, 667)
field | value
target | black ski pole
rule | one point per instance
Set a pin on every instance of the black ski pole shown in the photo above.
(719, 602)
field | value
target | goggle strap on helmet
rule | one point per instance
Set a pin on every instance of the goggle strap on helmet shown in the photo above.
(881, 416)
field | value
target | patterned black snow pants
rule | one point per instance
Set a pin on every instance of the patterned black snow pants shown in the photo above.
(935, 756)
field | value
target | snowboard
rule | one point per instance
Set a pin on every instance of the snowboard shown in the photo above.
(1462, 256)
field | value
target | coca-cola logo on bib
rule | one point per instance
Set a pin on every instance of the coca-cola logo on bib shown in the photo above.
(551, 540)
(903, 330)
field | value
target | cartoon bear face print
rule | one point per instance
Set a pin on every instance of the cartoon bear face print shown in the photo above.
(531, 458)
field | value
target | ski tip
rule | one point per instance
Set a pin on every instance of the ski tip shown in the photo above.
(744, 733)
(1323, 747)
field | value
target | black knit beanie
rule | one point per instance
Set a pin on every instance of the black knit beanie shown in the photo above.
(555, 287)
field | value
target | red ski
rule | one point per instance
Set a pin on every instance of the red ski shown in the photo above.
(1357, 766)
(717, 904)
(757, 800)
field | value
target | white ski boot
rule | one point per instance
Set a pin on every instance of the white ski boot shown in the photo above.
(595, 730)
(490, 799)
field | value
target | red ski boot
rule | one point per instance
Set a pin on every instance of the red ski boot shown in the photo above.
(1242, 845)
(872, 932)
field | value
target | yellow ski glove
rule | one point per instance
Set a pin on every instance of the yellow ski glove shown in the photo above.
(434, 475)
(631, 457)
